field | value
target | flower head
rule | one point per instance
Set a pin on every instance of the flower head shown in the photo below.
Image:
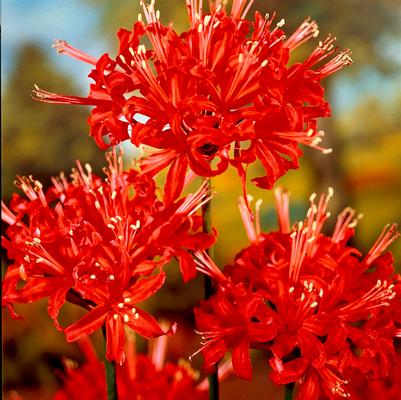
(221, 93)
(101, 244)
(320, 310)
(140, 377)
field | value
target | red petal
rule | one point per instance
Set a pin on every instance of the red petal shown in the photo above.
(309, 389)
(56, 301)
(288, 372)
(115, 339)
(88, 324)
(175, 179)
(187, 265)
(241, 360)
(146, 326)
(145, 288)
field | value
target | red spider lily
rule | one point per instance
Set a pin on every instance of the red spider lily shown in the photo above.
(101, 244)
(221, 93)
(232, 319)
(140, 377)
(332, 312)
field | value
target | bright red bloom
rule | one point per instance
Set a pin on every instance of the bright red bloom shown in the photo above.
(100, 243)
(140, 377)
(221, 93)
(332, 312)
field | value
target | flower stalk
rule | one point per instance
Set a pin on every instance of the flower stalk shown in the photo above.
(289, 391)
(111, 377)
(207, 227)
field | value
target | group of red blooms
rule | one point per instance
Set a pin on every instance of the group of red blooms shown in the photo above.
(322, 312)
(220, 94)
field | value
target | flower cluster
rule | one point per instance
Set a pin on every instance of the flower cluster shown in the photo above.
(140, 377)
(222, 93)
(324, 313)
(101, 244)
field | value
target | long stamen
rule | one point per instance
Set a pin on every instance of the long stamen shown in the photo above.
(247, 218)
(379, 296)
(282, 209)
(388, 235)
(307, 30)
(63, 47)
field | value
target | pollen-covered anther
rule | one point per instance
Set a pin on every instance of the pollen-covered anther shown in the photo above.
(133, 310)
(314, 304)
(126, 317)
(111, 277)
(115, 316)
(36, 240)
(207, 20)
(93, 276)
(291, 289)
(22, 272)
(127, 300)
(120, 305)
(136, 316)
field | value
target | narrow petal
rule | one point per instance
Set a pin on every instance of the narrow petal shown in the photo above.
(115, 338)
(175, 179)
(146, 326)
(145, 288)
(241, 360)
(88, 324)
(187, 265)
(56, 301)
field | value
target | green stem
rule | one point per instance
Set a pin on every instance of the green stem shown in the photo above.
(289, 391)
(208, 283)
(111, 381)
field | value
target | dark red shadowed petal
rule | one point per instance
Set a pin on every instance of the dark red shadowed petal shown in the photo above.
(241, 360)
(88, 324)
(309, 389)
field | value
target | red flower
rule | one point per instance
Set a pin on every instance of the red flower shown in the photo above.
(140, 377)
(100, 243)
(332, 313)
(221, 93)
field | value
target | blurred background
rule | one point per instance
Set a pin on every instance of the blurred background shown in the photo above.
(39, 139)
